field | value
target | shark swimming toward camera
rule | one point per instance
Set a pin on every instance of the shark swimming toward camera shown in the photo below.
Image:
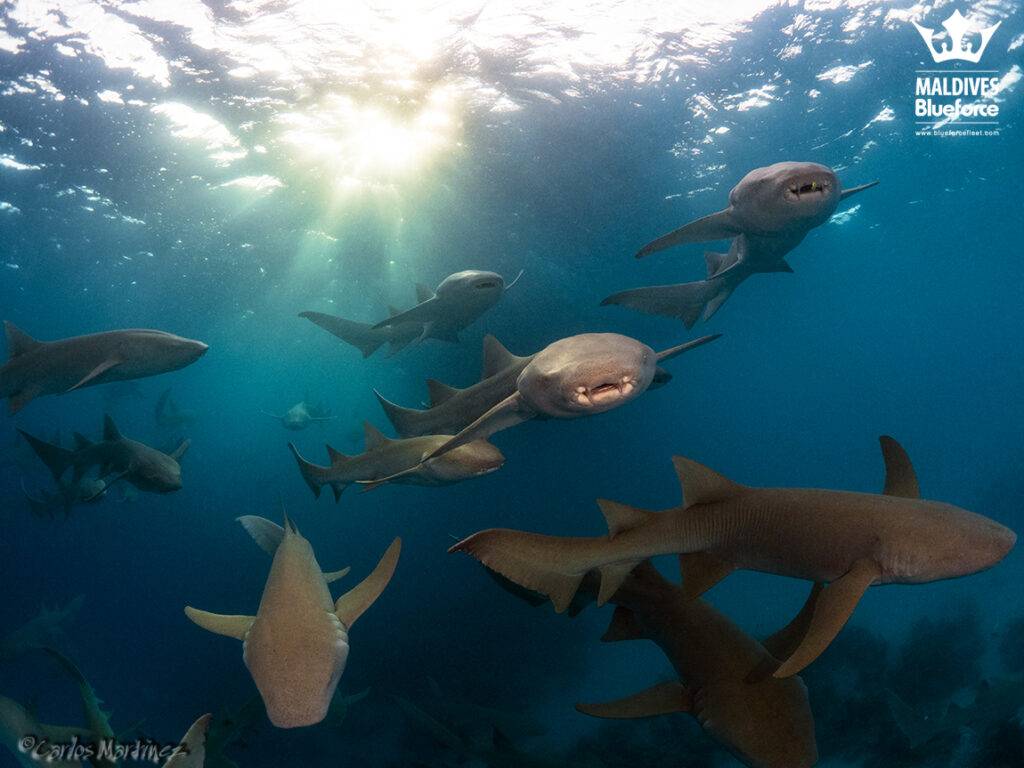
(302, 415)
(398, 461)
(573, 377)
(366, 337)
(452, 410)
(296, 646)
(849, 540)
(724, 674)
(38, 368)
(116, 456)
(770, 212)
(457, 301)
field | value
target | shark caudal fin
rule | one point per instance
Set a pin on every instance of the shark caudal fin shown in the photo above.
(685, 301)
(56, 458)
(359, 335)
(317, 477)
(408, 422)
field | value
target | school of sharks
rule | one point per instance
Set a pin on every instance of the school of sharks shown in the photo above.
(746, 693)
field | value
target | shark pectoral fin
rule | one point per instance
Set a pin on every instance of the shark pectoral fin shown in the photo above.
(95, 373)
(509, 412)
(21, 398)
(661, 699)
(785, 641)
(612, 576)
(191, 752)
(900, 478)
(353, 604)
(333, 576)
(854, 190)
(515, 280)
(833, 609)
(267, 535)
(181, 450)
(679, 349)
(701, 571)
(702, 485)
(219, 624)
(661, 378)
(623, 626)
(424, 312)
(716, 226)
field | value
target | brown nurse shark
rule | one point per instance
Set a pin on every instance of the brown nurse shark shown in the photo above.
(38, 368)
(770, 212)
(399, 461)
(576, 376)
(296, 646)
(851, 540)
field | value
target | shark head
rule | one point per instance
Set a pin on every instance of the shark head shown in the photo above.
(588, 373)
(156, 472)
(478, 457)
(785, 196)
(473, 290)
(156, 352)
(941, 541)
(296, 418)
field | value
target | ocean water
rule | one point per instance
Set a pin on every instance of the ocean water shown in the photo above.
(212, 170)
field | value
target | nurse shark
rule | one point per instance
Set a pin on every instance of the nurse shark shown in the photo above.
(296, 646)
(770, 212)
(849, 540)
(37, 368)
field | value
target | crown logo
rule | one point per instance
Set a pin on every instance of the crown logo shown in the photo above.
(957, 27)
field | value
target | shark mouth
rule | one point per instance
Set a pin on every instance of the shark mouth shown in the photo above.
(603, 393)
(487, 284)
(809, 189)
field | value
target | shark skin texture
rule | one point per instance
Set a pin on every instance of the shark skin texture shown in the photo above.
(848, 540)
(770, 212)
(296, 646)
(36, 368)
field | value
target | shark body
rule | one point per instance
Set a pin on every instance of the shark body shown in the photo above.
(37, 368)
(400, 461)
(770, 212)
(296, 646)
(847, 539)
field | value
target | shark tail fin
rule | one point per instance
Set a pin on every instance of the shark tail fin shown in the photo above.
(316, 477)
(359, 335)
(406, 421)
(56, 459)
(623, 626)
(354, 603)
(685, 301)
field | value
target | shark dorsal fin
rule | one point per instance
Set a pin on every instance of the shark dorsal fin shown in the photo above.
(439, 391)
(622, 517)
(374, 437)
(423, 293)
(81, 441)
(392, 310)
(336, 456)
(267, 535)
(110, 430)
(496, 357)
(702, 485)
(18, 342)
(900, 478)
(194, 742)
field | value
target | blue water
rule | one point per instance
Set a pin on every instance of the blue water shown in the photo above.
(902, 318)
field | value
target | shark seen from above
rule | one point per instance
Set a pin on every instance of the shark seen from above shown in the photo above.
(36, 368)
(297, 645)
(770, 212)
(846, 539)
